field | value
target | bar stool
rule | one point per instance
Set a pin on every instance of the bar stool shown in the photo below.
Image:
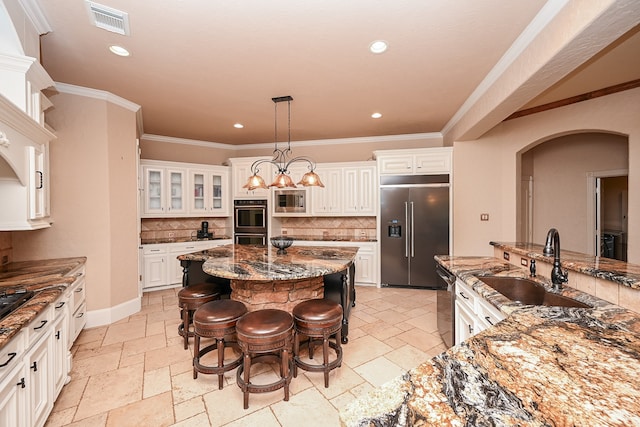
(189, 299)
(318, 319)
(265, 336)
(216, 319)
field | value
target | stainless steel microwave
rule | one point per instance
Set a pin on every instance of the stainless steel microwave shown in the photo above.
(290, 201)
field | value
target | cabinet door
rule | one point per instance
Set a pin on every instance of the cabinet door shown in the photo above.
(396, 165)
(39, 381)
(155, 271)
(465, 323)
(366, 267)
(433, 163)
(13, 396)
(218, 182)
(198, 192)
(38, 185)
(360, 191)
(327, 201)
(176, 186)
(242, 172)
(154, 190)
(59, 356)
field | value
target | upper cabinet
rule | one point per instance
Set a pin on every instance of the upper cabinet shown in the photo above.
(423, 161)
(184, 190)
(241, 170)
(350, 189)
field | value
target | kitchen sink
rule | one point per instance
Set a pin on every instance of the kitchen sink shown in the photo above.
(528, 292)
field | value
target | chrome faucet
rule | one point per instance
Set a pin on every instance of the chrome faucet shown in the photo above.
(552, 247)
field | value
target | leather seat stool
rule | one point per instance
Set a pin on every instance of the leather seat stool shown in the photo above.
(189, 299)
(216, 319)
(265, 336)
(318, 319)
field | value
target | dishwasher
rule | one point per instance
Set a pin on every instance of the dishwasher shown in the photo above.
(445, 302)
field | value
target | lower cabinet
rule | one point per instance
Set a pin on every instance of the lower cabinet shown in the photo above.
(160, 265)
(473, 314)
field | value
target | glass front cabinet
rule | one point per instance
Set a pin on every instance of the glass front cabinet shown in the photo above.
(182, 189)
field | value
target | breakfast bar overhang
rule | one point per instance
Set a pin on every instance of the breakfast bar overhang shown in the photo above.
(260, 277)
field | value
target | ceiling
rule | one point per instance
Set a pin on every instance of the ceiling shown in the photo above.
(197, 67)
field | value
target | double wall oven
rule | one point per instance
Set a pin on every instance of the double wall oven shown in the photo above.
(250, 222)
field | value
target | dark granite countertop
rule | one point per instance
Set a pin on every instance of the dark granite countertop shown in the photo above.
(331, 238)
(255, 262)
(541, 366)
(48, 278)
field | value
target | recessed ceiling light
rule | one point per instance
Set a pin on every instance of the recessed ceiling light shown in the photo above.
(238, 125)
(376, 115)
(119, 50)
(378, 46)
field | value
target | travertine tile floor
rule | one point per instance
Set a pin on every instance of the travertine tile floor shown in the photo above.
(136, 373)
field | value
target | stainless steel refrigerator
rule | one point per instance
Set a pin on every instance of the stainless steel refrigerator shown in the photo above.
(414, 221)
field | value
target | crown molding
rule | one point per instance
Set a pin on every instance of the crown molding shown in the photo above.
(37, 17)
(358, 140)
(97, 94)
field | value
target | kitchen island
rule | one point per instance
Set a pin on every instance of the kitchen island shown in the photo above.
(541, 366)
(262, 278)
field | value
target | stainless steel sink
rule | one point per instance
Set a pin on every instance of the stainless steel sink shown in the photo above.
(528, 292)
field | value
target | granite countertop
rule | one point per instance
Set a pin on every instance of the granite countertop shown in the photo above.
(604, 268)
(541, 366)
(255, 262)
(47, 278)
(180, 240)
(331, 238)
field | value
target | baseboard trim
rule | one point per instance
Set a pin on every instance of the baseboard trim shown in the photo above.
(107, 316)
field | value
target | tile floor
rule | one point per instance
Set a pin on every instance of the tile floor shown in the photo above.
(136, 373)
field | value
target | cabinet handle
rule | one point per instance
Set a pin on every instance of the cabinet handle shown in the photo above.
(488, 319)
(79, 289)
(80, 315)
(470, 329)
(34, 366)
(11, 356)
(21, 383)
(41, 185)
(42, 323)
(58, 335)
(60, 305)
(463, 295)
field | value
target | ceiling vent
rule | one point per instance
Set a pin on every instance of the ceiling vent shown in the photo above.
(108, 18)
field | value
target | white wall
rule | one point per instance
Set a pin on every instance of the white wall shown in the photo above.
(487, 175)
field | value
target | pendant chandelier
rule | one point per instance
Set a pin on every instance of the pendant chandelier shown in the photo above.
(282, 160)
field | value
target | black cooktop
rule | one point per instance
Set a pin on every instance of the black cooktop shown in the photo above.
(9, 302)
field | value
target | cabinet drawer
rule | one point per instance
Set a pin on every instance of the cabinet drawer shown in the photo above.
(60, 306)
(39, 326)
(78, 294)
(487, 314)
(465, 295)
(154, 249)
(11, 354)
(79, 320)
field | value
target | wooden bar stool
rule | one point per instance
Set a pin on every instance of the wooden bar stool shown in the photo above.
(216, 319)
(318, 319)
(265, 336)
(189, 299)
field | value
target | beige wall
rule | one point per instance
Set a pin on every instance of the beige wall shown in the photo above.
(487, 175)
(560, 193)
(93, 198)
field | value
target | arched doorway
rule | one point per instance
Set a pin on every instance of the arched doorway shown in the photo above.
(555, 187)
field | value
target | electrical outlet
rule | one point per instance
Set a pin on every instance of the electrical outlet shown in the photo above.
(505, 255)
(524, 261)
(484, 217)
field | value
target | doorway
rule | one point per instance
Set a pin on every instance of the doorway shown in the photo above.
(609, 192)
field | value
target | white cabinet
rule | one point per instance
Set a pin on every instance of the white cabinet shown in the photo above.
(360, 191)
(172, 189)
(164, 191)
(327, 201)
(349, 190)
(241, 171)
(77, 305)
(13, 387)
(161, 267)
(208, 190)
(423, 161)
(473, 314)
(40, 380)
(39, 181)
(60, 352)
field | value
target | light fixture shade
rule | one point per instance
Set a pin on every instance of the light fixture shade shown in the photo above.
(255, 181)
(311, 179)
(282, 181)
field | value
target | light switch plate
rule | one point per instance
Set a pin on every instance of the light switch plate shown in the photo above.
(484, 217)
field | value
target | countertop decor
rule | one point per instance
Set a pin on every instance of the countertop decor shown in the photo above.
(541, 366)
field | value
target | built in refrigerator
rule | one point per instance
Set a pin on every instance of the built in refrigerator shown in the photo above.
(414, 221)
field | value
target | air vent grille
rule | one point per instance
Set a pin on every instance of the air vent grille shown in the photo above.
(108, 18)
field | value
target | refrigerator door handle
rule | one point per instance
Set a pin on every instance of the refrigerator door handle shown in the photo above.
(406, 234)
(412, 237)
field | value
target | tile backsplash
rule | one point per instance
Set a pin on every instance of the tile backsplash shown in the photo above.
(347, 227)
(166, 228)
(6, 247)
